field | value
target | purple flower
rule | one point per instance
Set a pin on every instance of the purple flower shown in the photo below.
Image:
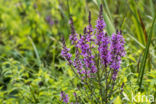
(89, 28)
(102, 40)
(90, 64)
(75, 94)
(100, 25)
(35, 5)
(114, 75)
(88, 58)
(73, 36)
(65, 53)
(82, 44)
(117, 51)
(49, 20)
(76, 98)
(77, 62)
(64, 97)
(108, 50)
(104, 50)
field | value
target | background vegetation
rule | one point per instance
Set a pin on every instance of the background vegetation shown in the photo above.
(31, 68)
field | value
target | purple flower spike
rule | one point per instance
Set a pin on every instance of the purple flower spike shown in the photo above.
(117, 52)
(100, 25)
(77, 62)
(82, 44)
(122, 42)
(64, 97)
(65, 53)
(114, 74)
(89, 28)
(101, 11)
(89, 63)
(104, 50)
(73, 36)
(75, 94)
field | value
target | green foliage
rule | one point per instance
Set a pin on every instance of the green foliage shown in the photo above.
(20, 84)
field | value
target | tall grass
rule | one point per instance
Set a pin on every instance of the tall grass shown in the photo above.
(144, 59)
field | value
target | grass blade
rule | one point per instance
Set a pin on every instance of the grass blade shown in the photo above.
(36, 51)
(133, 38)
(107, 9)
(152, 8)
(135, 18)
(143, 62)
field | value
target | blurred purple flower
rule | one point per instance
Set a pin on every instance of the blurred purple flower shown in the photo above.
(73, 36)
(89, 28)
(35, 5)
(64, 97)
(49, 20)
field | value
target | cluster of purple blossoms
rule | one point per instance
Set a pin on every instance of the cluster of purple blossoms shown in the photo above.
(65, 53)
(103, 40)
(82, 44)
(77, 62)
(97, 55)
(64, 97)
(100, 25)
(86, 53)
(117, 51)
(109, 54)
(104, 51)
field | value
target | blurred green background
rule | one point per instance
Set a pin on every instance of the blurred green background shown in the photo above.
(31, 68)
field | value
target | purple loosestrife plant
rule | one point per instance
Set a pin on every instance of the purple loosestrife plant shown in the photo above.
(97, 59)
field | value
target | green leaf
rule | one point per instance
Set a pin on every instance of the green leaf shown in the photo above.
(143, 62)
(117, 100)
